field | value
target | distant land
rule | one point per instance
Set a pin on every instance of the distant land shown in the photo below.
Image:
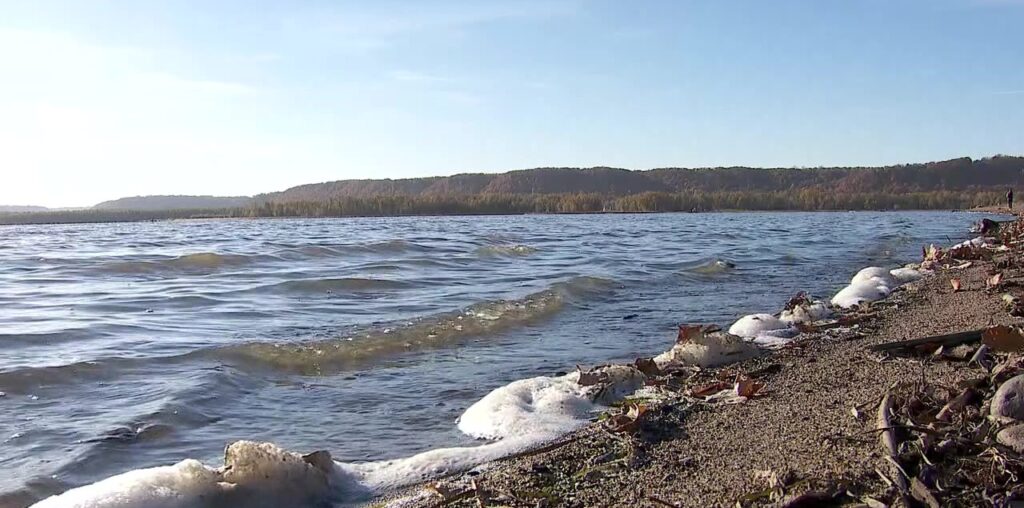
(20, 209)
(956, 183)
(174, 203)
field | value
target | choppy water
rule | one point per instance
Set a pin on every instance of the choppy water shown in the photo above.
(133, 345)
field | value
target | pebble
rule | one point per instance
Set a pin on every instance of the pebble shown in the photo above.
(1012, 436)
(1008, 401)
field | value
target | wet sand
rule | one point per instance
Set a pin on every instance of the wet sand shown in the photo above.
(810, 429)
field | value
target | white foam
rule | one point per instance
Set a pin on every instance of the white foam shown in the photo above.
(179, 486)
(756, 324)
(545, 405)
(906, 274)
(856, 294)
(709, 350)
(973, 242)
(872, 284)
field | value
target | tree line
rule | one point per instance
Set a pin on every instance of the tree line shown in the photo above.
(502, 204)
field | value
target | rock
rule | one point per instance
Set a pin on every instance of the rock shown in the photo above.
(1012, 436)
(1008, 402)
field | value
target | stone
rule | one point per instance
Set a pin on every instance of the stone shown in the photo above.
(1012, 436)
(1008, 402)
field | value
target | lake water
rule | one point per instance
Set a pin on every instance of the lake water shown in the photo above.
(134, 345)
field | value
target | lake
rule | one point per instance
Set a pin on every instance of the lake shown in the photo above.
(140, 344)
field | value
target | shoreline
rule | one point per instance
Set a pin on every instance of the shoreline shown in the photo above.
(810, 430)
(995, 210)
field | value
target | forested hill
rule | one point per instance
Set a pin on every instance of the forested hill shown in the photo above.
(144, 203)
(962, 174)
(953, 184)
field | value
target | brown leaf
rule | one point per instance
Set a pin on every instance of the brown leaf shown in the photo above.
(688, 333)
(629, 420)
(955, 283)
(1003, 339)
(710, 389)
(746, 387)
(800, 299)
(648, 367)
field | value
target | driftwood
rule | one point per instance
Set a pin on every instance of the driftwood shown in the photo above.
(888, 439)
(949, 339)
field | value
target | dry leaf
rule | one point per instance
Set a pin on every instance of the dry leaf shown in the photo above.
(746, 387)
(710, 389)
(995, 280)
(688, 333)
(1003, 339)
(799, 300)
(628, 421)
(648, 367)
(955, 283)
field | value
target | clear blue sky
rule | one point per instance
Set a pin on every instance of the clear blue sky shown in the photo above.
(103, 99)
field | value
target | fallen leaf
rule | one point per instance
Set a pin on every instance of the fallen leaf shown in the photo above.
(994, 280)
(688, 333)
(746, 387)
(629, 420)
(648, 367)
(955, 283)
(799, 300)
(932, 253)
(710, 389)
(1003, 339)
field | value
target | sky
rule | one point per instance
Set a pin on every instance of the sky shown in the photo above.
(106, 99)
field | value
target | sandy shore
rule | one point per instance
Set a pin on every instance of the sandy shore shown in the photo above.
(811, 431)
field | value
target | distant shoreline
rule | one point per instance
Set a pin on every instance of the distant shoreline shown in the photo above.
(26, 219)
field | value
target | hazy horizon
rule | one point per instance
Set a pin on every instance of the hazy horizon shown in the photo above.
(106, 100)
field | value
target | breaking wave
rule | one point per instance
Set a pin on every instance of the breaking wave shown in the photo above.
(198, 262)
(440, 330)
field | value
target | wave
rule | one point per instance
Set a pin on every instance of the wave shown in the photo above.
(341, 284)
(441, 330)
(341, 250)
(505, 250)
(711, 267)
(24, 380)
(199, 262)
